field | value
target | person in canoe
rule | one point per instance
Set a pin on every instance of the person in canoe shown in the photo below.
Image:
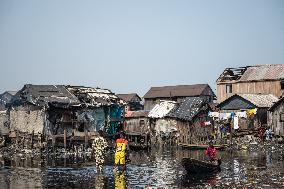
(211, 152)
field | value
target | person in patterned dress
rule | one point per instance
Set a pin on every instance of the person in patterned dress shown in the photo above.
(99, 147)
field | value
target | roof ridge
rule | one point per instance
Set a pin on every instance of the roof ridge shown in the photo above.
(180, 85)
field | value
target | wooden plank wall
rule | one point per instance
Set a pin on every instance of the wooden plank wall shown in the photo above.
(264, 87)
(274, 120)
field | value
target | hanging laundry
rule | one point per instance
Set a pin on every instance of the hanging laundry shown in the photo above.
(213, 114)
(242, 114)
(236, 122)
(223, 116)
(251, 112)
(206, 123)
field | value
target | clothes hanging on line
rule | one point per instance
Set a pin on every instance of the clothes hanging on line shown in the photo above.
(213, 114)
(224, 116)
(252, 112)
(205, 123)
(242, 114)
(236, 122)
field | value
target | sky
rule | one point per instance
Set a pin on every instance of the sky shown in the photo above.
(130, 46)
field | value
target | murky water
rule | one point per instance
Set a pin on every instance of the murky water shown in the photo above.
(158, 168)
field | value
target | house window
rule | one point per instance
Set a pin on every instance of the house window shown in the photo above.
(282, 117)
(229, 88)
(282, 85)
(142, 123)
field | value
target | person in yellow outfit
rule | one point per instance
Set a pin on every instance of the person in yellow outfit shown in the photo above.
(121, 148)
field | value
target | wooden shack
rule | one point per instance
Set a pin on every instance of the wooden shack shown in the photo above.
(64, 116)
(163, 129)
(276, 118)
(6, 98)
(4, 123)
(177, 94)
(259, 79)
(194, 127)
(137, 129)
(101, 109)
(133, 101)
(40, 113)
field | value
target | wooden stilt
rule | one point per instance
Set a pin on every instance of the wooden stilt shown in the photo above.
(32, 140)
(17, 138)
(53, 143)
(65, 138)
(86, 137)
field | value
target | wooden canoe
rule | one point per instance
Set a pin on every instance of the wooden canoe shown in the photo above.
(193, 166)
(200, 146)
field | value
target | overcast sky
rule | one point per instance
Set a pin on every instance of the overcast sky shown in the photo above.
(129, 46)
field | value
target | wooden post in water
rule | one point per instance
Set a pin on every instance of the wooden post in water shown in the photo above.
(17, 138)
(65, 138)
(32, 140)
(53, 143)
(86, 137)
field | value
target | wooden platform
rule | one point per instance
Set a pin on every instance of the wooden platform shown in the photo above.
(200, 146)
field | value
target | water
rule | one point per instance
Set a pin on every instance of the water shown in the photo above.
(158, 168)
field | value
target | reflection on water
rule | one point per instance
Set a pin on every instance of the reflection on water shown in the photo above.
(156, 168)
(120, 179)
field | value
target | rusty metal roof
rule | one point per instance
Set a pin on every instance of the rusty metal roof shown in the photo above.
(264, 72)
(44, 95)
(136, 114)
(260, 100)
(128, 97)
(189, 108)
(279, 102)
(239, 101)
(176, 91)
(253, 73)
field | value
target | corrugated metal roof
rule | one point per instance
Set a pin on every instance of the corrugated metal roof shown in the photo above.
(276, 104)
(260, 100)
(43, 95)
(189, 108)
(162, 109)
(263, 72)
(176, 91)
(95, 96)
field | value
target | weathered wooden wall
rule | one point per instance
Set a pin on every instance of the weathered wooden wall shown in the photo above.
(193, 133)
(274, 121)
(264, 87)
(4, 123)
(137, 125)
(27, 119)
